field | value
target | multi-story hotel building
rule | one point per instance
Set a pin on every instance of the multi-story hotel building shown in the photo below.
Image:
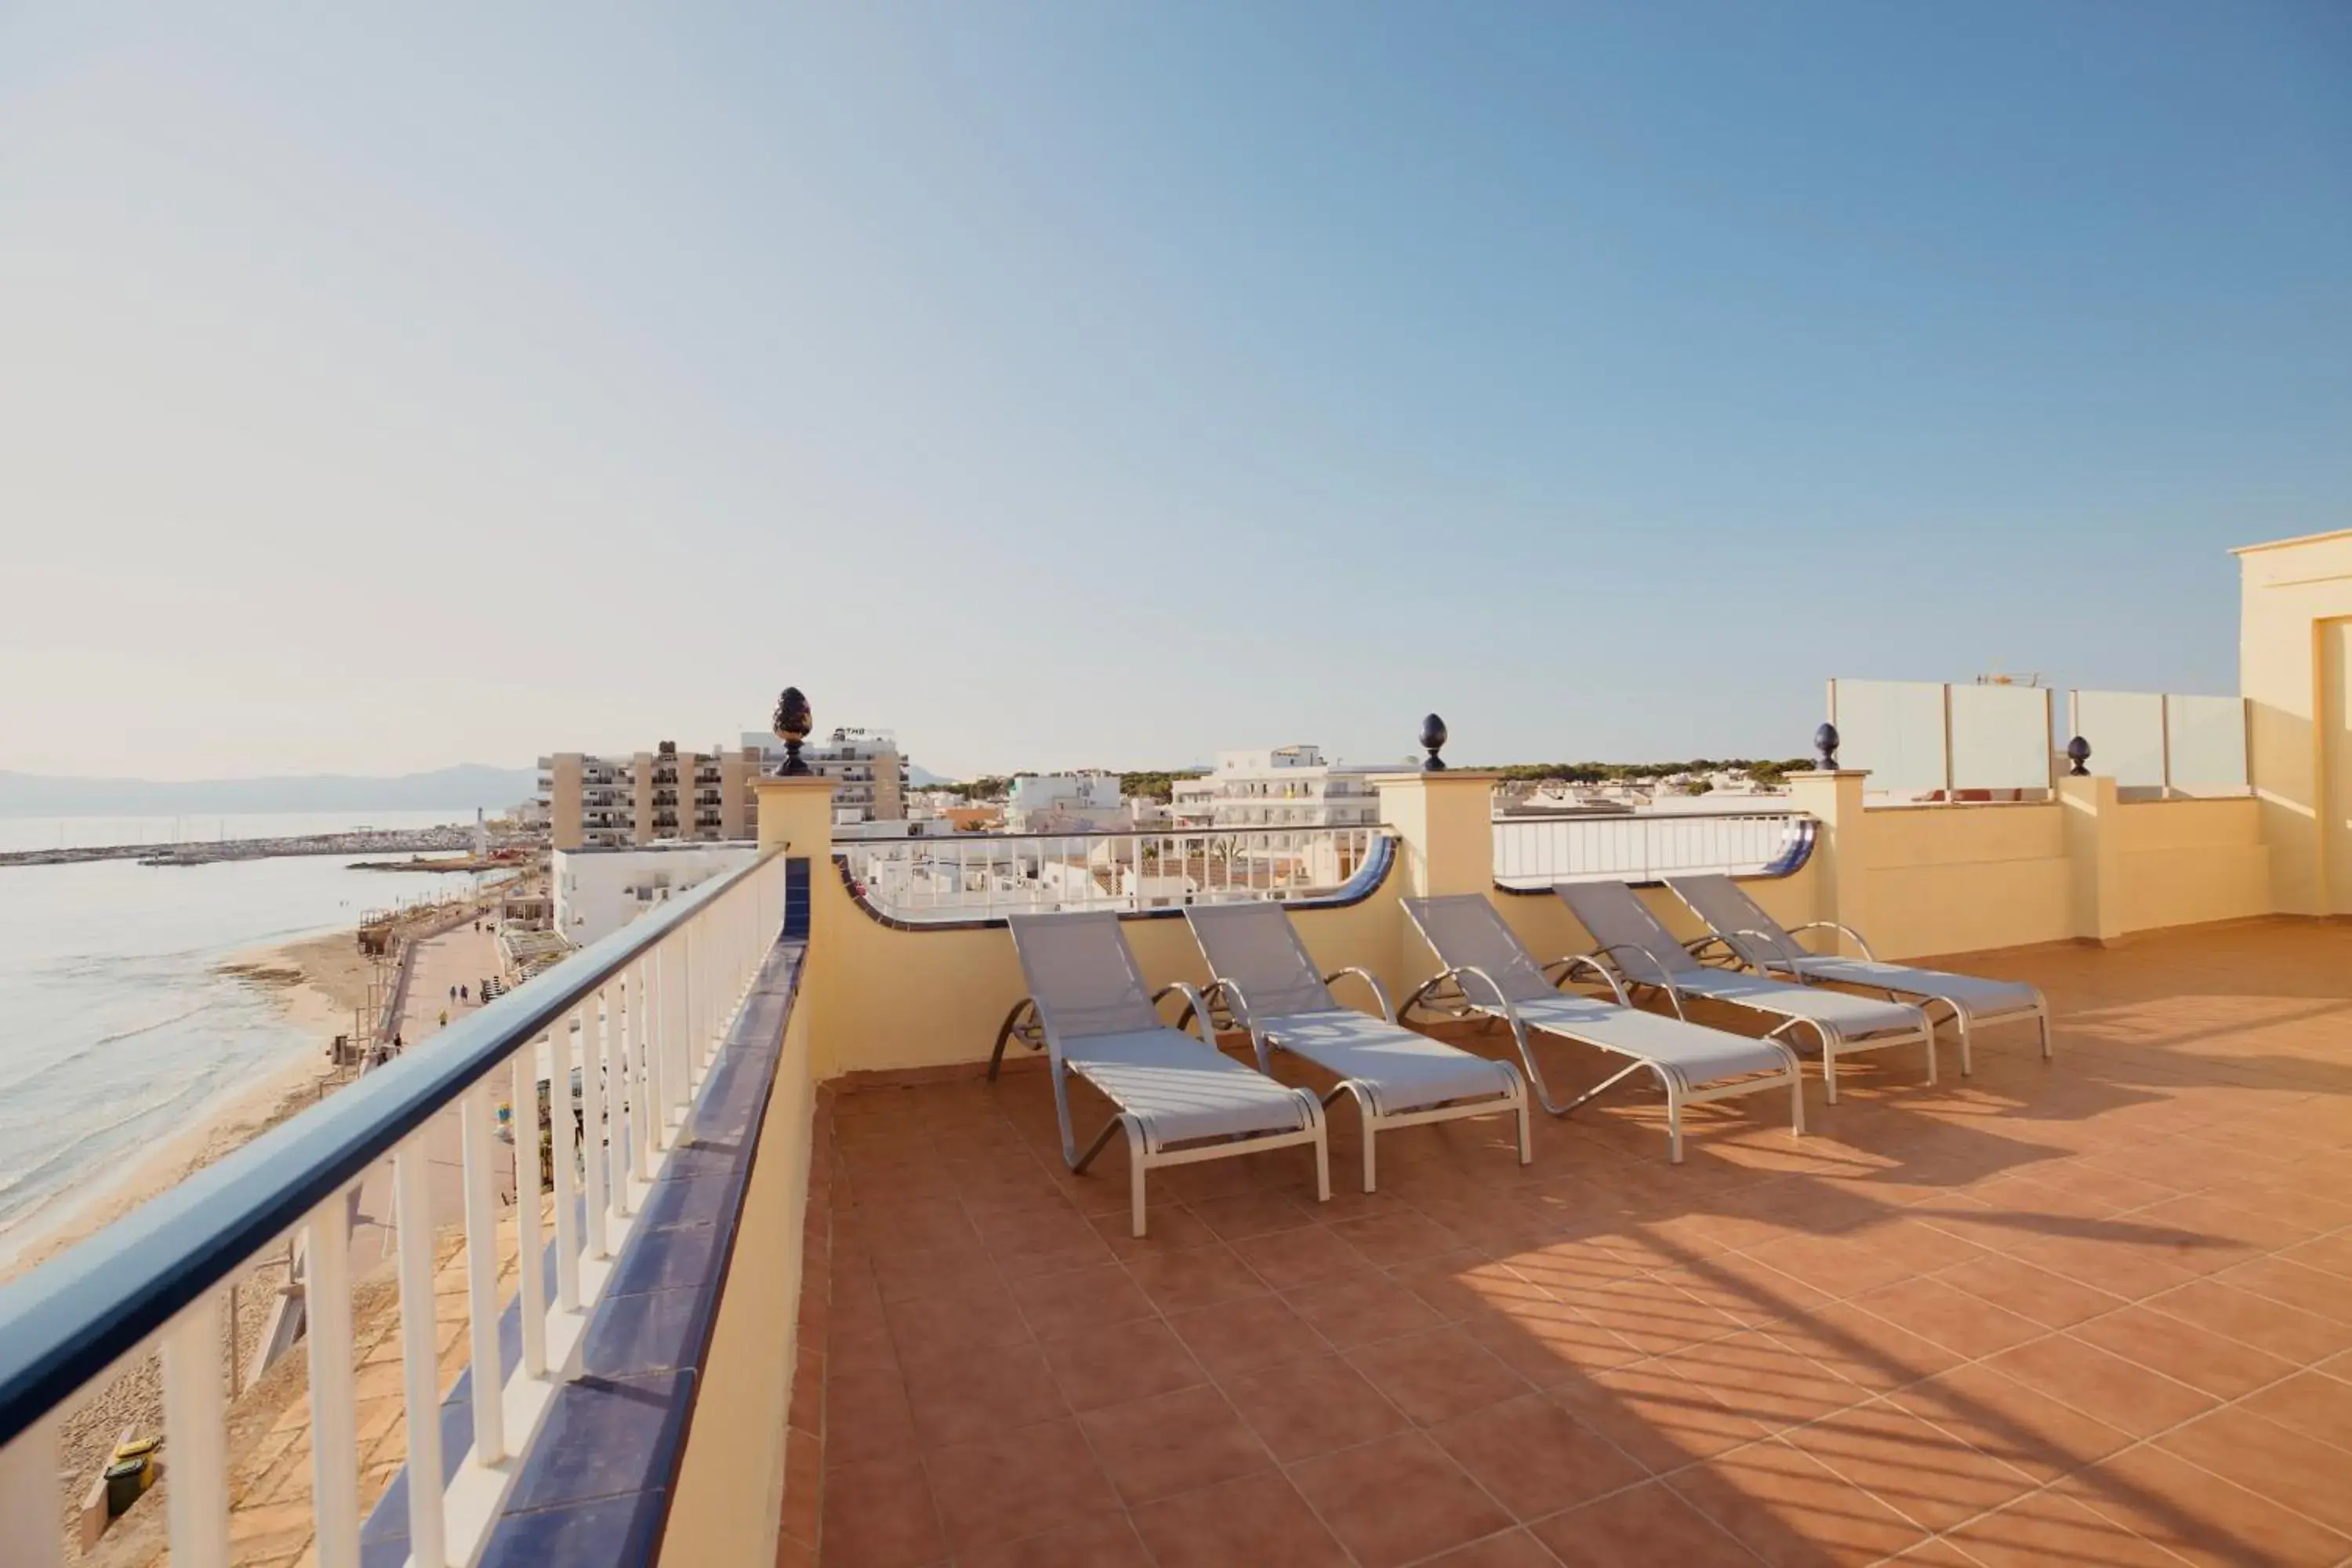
(1283, 787)
(646, 797)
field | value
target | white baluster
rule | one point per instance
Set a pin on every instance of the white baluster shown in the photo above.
(335, 1420)
(28, 1495)
(591, 1128)
(531, 1283)
(195, 1409)
(567, 1181)
(616, 1097)
(476, 1142)
(419, 1361)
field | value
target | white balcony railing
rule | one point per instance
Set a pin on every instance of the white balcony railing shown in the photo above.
(633, 1023)
(978, 877)
(1535, 852)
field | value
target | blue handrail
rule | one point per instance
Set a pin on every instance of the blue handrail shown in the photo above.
(72, 1318)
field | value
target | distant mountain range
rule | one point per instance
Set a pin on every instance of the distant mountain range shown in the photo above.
(461, 788)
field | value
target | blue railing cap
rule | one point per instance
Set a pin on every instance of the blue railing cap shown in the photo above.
(72, 1318)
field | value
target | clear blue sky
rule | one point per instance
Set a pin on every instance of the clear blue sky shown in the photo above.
(1105, 383)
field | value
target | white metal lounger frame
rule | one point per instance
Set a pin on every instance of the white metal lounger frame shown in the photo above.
(1028, 1024)
(1780, 953)
(1267, 1031)
(1834, 1041)
(1679, 1090)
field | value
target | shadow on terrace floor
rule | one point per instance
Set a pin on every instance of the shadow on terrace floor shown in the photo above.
(2097, 1311)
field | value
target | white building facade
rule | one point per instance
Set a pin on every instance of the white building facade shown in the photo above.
(1283, 787)
(598, 892)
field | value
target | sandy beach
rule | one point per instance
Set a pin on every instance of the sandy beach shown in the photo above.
(317, 982)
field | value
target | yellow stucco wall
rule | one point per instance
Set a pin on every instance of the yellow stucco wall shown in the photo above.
(1957, 879)
(2294, 667)
(2185, 862)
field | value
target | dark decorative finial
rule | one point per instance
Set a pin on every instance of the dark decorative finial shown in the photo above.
(793, 725)
(2078, 752)
(1825, 742)
(1432, 737)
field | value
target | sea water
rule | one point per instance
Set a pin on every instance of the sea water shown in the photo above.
(116, 1027)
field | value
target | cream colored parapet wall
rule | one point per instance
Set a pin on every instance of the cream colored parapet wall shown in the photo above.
(2294, 667)
(1916, 881)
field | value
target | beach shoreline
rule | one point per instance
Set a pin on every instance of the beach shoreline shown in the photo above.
(312, 988)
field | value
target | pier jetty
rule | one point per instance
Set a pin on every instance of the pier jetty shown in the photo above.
(204, 852)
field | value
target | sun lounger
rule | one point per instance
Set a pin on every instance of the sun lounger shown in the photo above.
(1180, 1099)
(1642, 950)
(1758, 941)
(1399, 1076)
(1498, 978)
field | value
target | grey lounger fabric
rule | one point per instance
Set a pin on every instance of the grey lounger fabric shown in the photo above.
(1397, 1075)
(1497, 976)
(1641, 949)
(1761, 943)
(1097, 1020)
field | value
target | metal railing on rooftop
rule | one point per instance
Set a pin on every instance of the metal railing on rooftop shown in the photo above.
(1534, 852)
(979, 877)
(649, 1005)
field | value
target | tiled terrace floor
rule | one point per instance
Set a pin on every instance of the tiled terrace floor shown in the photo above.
(2093, 1312)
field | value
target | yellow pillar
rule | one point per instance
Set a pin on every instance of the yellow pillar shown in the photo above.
(1833, 799)
(796, 815)
(2094, 868)
(1444, 826)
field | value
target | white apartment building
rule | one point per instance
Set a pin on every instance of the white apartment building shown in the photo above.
(598, 892)
(1285, 786)
(1067, 803)
(867, 771)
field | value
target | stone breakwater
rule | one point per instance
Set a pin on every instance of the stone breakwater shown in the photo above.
(452, 835)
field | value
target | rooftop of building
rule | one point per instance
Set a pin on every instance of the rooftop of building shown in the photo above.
(2091, 1310)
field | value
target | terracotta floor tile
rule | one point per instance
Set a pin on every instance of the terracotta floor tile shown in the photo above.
(2221, 1366)
(2288, 1333)
(880, 1513)
(2130, 1271)
(2313, 1290)
(2122, 1393)
(981, 1317)
(1288, 1259)
(1458, 1285)
(985, 1502)
(1303, 1408)
(1089, 1298)
(2270, 1460)
(1512, 1549)
(1397, 1500)
(1647, 1527)
(2329, 1254)
(1534, 1457)
(1100, 1540)
(2050, 1300)
(1788, 1509)
(1169, 1228)
(1197, 1277)
(1436, 1375)
(1921, 1471)
(963, 1395)
(1837, 1266)
(1862, 1347)
(1548, 1344)
(1358, 1309)
(1397, 1237)
(867, 1418)
(2195, 1514)
(2047, 1527)
(1239, 1335)
(1173, 1443)
(2013, 1423)
(1259, 1519)
(1126, 1360)
(1763, 1378)
(1246, 1215)
(2310, 1403)
(1663, 1421)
